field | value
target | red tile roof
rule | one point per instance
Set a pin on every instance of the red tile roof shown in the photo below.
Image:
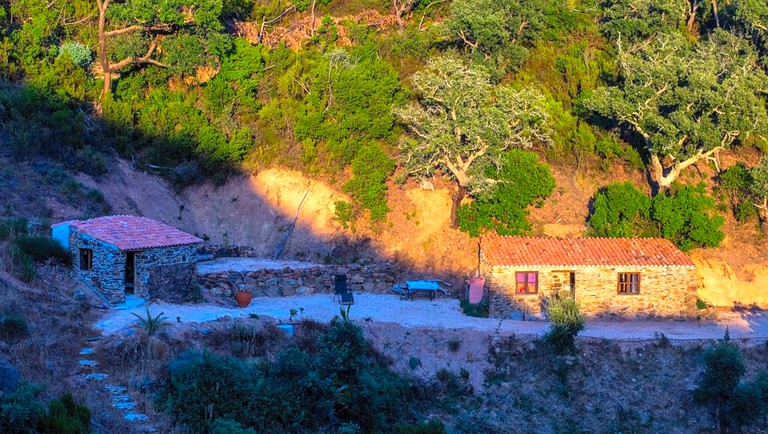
(571, 252)
(134, 233)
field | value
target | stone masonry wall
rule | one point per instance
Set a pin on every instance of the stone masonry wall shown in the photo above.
(108, 272)
(374, 278)
(162, 269)
(665, 292)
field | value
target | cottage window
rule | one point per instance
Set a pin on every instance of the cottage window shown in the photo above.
(86, 259)
(629, 283)
(527, 282)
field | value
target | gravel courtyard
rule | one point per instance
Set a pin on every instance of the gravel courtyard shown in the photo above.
(442, 314)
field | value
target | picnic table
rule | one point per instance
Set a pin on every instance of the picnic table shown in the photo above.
(413, 287)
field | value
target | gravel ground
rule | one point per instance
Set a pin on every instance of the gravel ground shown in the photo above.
(442, 314)
(249, 264)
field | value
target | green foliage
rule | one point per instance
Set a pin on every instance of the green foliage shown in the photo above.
(78, 53)
(344, 213)
(498, 32)
(682, 101)
(227, 426)
(736, 403)
(13, 328)
(341, 382)
(735, 189)
(566, 322)
(370, 169)
(463, 123)
(620, 210)
(43, 248)
(14, 227)
(66, 416)
(480, 310)
(151, 324)
(685, 216)
(21, 410)
(521, 181)
(638, 20)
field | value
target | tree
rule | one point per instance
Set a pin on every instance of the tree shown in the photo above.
(522, 182)
(685, 103)
(759, 187)
(636, 20)
(462, 124)
(150, 22)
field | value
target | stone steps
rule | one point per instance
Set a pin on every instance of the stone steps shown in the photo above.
(121, 399)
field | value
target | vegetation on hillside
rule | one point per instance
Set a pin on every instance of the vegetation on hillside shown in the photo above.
(442, 87)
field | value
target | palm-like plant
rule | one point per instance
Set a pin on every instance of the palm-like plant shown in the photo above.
(151, 324)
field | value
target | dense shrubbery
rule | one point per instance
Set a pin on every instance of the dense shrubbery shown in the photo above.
(735, 402)
(683, 215)
(521, 182)
(22, 412)
(337, 382)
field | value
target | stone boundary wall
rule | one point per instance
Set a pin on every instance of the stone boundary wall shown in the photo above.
(374, 278)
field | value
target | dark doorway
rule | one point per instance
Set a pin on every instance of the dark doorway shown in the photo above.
(130, 272)
(572, 281)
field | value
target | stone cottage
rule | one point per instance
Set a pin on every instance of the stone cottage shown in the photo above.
(638, 277)
(127, 255)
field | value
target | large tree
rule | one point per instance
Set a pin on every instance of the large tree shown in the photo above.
(684, 102)
(150, 24)
(462, 123)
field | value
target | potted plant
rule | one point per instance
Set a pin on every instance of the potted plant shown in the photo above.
(243, 298)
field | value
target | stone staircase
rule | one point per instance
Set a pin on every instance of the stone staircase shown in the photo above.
(121, 399)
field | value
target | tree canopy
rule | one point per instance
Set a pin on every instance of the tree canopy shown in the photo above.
(685, 102)
(462, 124)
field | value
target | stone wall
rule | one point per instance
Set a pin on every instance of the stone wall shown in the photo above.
(665, 292)
(108, 272)
(374, 278)
(165, 271)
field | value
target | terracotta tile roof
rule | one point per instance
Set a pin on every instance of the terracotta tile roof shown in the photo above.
(571, 252)
(134, 233)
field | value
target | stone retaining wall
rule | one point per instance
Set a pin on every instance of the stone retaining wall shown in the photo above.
(375, 278)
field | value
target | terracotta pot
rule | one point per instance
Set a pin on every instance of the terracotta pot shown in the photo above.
(243, 298)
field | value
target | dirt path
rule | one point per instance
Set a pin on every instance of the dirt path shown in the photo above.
(442, 314)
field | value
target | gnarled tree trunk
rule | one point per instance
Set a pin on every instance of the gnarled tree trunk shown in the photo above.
(458, 196)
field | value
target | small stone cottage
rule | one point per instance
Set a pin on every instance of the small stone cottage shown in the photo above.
(638, 277)
(122, 254)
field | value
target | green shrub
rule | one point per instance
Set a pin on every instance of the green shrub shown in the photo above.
(66, 416)
(522, 182)
(24, 265)
(371, 168)
(685, 216)
(735, 403)
(14, 227)
(20, 411)
(44, 248)
(479, 310)
(344, 213)
(13, 328)
(620, 210)
(227, 426)
(566, 322)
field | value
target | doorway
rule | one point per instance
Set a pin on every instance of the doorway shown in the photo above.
(130, 272)
(572, 283)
